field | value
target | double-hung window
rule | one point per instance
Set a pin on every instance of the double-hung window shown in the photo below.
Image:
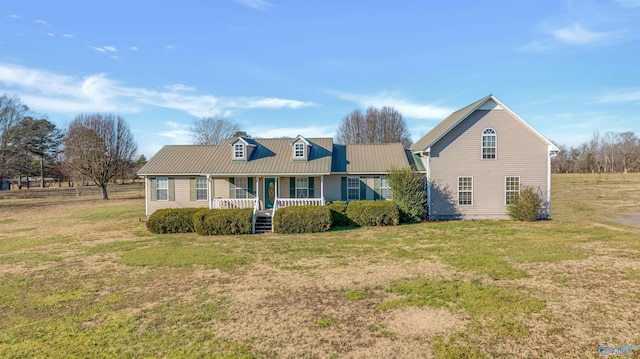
(353, 188)
(162, 189)
(385, 189)
(511, 189)
(238, 150)
(298, 150)
(465, 191)
(489, 144)
(201, 188)
(241, 187)
(302, 187)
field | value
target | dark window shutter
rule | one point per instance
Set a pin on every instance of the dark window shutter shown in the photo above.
(250, 187)
(376, 188)
(192, 189)
(172, 189)
(292, 187)
(343, 188)
(363, 187)
(311, 189)
(154, 191)
(232, 187)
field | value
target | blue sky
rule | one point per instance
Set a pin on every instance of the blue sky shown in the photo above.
(289, 67)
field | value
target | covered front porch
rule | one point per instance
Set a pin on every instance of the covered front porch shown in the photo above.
(266, 194)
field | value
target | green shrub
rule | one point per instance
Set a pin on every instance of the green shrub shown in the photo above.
(302, 219)
(339, 214)
(527, 206)
(373, 213)
(409, 193)
(172, 220)
(223, 221)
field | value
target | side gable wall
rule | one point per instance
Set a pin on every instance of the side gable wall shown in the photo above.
(459, 153)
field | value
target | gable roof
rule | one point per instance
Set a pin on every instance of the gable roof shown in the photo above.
(368, 158)
(449, 123)
(271, 156)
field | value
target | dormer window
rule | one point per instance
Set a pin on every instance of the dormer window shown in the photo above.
(238, 150)
(298, 150)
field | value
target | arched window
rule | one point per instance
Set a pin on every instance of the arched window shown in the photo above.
(489, 144)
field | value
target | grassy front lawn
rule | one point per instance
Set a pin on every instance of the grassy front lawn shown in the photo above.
(83, 278)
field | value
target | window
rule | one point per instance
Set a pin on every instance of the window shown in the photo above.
(302, 187)
(241, 187)
(353, 188)
(385, 189)
(201, 189)
(238, 150)
(465, 191)
(511, 189)
(298, 150)
(162, 189)
(489, 144)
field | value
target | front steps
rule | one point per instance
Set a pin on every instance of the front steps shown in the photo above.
(264, 221)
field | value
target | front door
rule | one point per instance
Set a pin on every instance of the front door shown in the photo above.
(269, 192)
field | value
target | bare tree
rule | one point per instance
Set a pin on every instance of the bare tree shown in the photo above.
(213, 130)
(384, 125)
(98, 147)
(12, 110)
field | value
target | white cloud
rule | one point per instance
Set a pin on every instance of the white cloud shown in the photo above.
(48, 91)
(41, 22)
(578, 35)
(14, 16)
(170, 47)
(98, 49)
(110, 48)
(277, 103)
(180, 87)
(178, 133)
(133, 48)
(628, 95)
(51, 34)
(68, 36)
(255, 4)
(406, 108)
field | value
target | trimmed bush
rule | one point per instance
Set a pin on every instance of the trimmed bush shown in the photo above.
(223, 221)
(373, 213)
(172, 220)
(302, 219)
(527, 206)
(339, 214)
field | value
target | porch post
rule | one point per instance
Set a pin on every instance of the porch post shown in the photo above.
(322, 189)
(257, 189)
(147, 195)
(209, 191)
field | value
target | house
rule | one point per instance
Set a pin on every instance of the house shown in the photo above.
(477, 159)
(267, 174)
(475, 162)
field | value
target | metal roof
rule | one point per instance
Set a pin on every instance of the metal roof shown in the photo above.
(368, 158)
(274, 156)
(270, 156)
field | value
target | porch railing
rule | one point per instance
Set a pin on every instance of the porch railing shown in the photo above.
(287, 202)
(228, 203)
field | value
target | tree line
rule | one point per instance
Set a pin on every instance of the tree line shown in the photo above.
(95, 147)
(612, 152)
